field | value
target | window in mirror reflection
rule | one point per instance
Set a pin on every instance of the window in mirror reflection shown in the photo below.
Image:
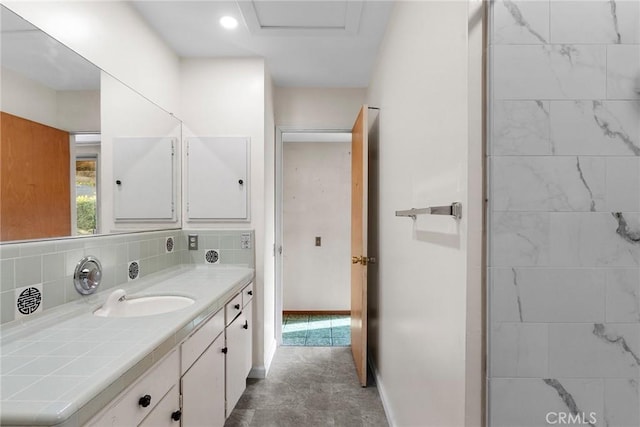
(86, 183)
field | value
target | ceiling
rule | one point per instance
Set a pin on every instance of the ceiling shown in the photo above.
(32, 53)
(305, 43)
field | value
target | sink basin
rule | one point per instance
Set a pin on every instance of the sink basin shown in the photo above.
(119, 305)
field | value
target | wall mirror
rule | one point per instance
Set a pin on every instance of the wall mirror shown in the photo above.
(80, 152)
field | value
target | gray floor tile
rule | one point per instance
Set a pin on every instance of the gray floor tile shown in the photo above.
(309, 386)
(240, 418)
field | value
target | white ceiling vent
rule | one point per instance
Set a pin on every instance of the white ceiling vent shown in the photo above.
(310, 18)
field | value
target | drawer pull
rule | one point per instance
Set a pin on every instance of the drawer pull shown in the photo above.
(237, 306)
(176, 416)
(224, 350)
(250, 292)
(145, 401)
(246, 324)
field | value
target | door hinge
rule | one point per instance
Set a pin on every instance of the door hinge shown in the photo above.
(180, 401)
(363, 260)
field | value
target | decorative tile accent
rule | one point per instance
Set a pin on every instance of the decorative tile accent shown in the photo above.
(169, 244)
(212, 256)
(133, 270)
(28, 300)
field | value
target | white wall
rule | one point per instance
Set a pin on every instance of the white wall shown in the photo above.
(316, 202)
(112, 36)
(421, 342)
(269, 315)
(72, 111)
(79, 110)
(124, 113)
(226, 97)
(318, 108)
(28, 99)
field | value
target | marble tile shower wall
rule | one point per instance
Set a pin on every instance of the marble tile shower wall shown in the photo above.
(564, 232)
(52, 263)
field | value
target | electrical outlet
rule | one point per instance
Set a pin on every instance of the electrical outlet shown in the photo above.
(318, 241)
(193, 242)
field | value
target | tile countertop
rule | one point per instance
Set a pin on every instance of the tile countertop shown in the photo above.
(62, 368)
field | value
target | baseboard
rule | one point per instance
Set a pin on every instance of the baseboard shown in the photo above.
(258, 372)
(269, 357)
(261, 372)
(382, 393)
(317, 312)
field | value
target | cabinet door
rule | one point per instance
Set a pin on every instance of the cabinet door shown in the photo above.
(203, 389)
(166, 413)
(139, 400)
(248, 338)
(236, 360)
(217, 178)
(143, 167)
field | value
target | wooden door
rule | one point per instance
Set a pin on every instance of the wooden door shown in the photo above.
(359, 171)
(35, 181)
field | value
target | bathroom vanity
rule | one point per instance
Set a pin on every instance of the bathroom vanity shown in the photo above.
(184, 367)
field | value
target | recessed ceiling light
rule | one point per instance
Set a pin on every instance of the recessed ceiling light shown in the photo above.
(229, 22)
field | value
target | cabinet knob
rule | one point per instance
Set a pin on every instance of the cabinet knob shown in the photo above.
(118, 182)
(246, 324)
(144, 401)
(224, 350)
(237, 306)
(176, 416)
(240, 182)
(250, 292)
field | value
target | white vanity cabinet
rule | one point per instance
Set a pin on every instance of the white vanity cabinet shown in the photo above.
(203, 375)
(199, 382)
(239, 347)
(167, 412)
(150, 396)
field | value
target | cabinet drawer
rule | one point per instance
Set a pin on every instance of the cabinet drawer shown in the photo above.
(247, 294)
(162, 414)
(128, 410)
(233, 308)
(198, 342)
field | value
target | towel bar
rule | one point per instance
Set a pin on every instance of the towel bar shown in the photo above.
(454, 210)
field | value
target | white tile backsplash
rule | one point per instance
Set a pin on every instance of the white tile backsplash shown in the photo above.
(52, 264)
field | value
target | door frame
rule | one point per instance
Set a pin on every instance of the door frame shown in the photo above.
(279, 214)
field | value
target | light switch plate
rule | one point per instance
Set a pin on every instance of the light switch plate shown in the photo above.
(245, 241)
